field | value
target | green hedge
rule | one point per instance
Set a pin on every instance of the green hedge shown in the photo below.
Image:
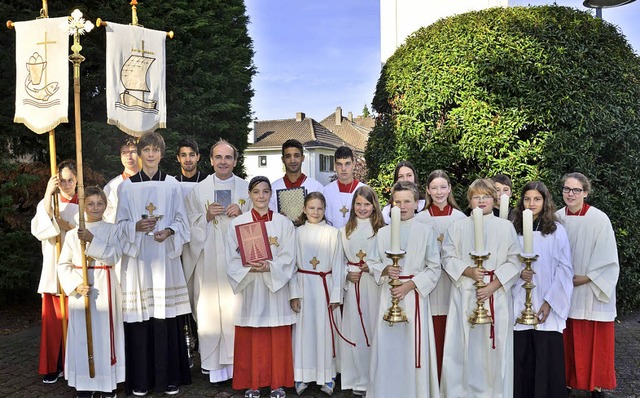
(531, 92)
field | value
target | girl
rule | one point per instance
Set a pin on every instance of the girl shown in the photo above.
(440, 211)
(262, 347)
(362, 295)
(539, 352)
(589, 336)
(103, 251)
(316, 291)
(403, 359)
(404, 172)
(478, 361)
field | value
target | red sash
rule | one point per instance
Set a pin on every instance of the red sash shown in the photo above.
(357, 289)
(417, 331)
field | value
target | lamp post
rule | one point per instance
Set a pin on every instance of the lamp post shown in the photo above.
(600, 4)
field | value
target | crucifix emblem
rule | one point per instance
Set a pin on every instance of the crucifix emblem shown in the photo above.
(441, 238)
(361, 255)
(273, 240)
(150, 208)
(314, 261)
(344, 211)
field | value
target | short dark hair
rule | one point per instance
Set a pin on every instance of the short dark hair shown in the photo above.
(257, 180)
(408, 164)
(95, 190)
(292, 144)
(406, 186)
(188, 143)
(224, 142)
(343, 152)
(68, 164)
(502, 179)
(128, 142)
(152, 139)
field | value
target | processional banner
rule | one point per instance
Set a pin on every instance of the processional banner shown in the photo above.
(136, 91)
(42, 73)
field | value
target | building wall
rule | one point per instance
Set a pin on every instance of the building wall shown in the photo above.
(400, 18)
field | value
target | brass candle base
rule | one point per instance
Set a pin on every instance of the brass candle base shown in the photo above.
(528, 315)
(480, 315)
(395, 314)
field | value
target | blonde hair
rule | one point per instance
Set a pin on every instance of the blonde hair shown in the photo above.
(482, 186)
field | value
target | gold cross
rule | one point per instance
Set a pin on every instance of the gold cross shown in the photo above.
(273, 240)
(314, 261)
(45, 42)
(143, 52)
(361, 255)
(344, 211)
(150, 208)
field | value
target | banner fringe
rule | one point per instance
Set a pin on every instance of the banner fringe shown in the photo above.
(40, 129)
(135, 133)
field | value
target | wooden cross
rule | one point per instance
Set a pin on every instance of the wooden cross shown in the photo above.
(314, 261)
(344, 211)
(45, 42)
(273, 240)
(361, 255)
(150, 208)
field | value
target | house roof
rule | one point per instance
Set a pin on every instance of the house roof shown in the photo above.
(355, 133)
(272, 133)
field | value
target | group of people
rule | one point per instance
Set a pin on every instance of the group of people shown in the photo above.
(161, 250)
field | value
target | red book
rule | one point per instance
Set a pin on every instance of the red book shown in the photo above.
(253, 242)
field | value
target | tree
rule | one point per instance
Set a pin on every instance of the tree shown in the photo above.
(365, 111)
(531, 92)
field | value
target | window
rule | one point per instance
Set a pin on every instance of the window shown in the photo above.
(262, 161)
(326, 163)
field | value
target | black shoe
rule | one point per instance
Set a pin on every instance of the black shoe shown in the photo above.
(112, 394)
(85, 394)
(597, 394)
(172, 390)
(52, 377)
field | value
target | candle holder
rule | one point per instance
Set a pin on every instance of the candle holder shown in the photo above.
(395, 314)
(528, 316)
(480, 315)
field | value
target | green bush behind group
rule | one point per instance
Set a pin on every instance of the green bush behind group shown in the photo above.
(531, 92)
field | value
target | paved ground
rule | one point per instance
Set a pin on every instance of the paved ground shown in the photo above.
(19, 378)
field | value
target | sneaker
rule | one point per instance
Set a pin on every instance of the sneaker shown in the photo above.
(52, 377)
(328, 388)
(359, 393)
(300, 387)
(140, 393)
(112, 394)
(252, 394)
(172, 390)
(204, 371)
(278, 393)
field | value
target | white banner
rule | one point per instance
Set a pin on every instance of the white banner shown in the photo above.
(42, 73)
(136, 92)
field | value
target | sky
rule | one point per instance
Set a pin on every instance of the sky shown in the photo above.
(313, 56)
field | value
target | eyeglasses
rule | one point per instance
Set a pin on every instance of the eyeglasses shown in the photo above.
(481, 198)
(576, 191)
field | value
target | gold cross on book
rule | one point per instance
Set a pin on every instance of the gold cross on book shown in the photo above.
(314, 261)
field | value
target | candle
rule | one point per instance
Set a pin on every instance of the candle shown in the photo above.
(504, 206)
(395, 229)
(527, 230)
(478, 231)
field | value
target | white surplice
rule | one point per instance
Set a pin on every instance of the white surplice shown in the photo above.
(470, 366)
(594, 254)
(45, 229)
(111, 191)
(309, 184)
(403, 357)
(264, 296)
(336, 200)
(314, 341)
(106, 313)
(358, 323)
(152, 279)
(205, 260)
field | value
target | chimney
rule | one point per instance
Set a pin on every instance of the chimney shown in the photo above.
(338, 116)
(299, 116)
(350, 116)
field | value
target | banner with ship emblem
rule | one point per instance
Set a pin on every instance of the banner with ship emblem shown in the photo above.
(136, 100)
(42, 73)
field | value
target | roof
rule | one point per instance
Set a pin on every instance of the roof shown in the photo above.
(355, 133)
(272, 133)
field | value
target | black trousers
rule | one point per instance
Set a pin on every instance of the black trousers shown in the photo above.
(538, 364)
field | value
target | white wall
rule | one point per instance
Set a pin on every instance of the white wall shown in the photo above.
(274, 169)
(400, 18)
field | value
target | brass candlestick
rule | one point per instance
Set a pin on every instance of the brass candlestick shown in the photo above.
(528, 316)
(480, 315)
(395, 314)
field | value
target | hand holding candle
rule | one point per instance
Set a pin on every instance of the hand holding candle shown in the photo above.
(527, 230)
(395, 229)
(504, 206)
(478, 230)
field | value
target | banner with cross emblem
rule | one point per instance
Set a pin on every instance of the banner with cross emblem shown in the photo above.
(136, 92)
(42, 73)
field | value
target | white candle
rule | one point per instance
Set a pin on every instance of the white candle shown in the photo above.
(395, 229)
(527, 230)
(478, 230)
(504, 206)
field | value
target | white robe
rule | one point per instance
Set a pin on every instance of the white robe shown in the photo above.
(313, 337)
(336, 200)
(440, 296)
(393, 371)
(105, 249)
(354, 361)
(594, 254)
(386, 211)
(152, 280)
(264, 296)
(205, 260)
(470, 367)
(45, 229)
(309, 184)
(553, 279)
(111, 191)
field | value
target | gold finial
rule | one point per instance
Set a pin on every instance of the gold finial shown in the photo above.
(10, 24)
(134, 12)
(78, 26)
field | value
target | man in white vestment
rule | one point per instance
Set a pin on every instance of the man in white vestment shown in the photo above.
(339, 193)
(129, 159)
(211, 206)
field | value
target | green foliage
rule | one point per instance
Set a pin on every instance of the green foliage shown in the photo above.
(530, 92)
